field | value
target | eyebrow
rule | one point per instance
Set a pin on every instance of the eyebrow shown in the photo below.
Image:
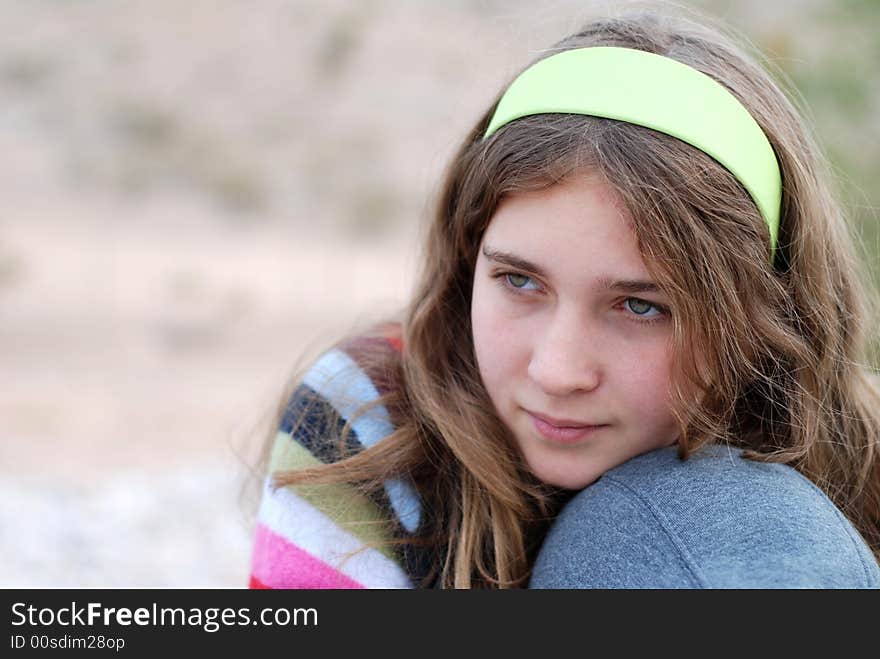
(603, 283)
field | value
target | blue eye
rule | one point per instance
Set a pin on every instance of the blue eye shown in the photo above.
(517, 280)
(641, 308)
(517, 283)
(638, 306)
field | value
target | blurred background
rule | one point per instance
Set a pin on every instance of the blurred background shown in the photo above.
(196, 196)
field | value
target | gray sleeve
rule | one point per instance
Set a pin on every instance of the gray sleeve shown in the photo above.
(605, 538)
(713, 521)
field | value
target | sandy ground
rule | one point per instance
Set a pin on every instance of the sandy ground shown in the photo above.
(189, 208)
(140, 373)
(195, 198)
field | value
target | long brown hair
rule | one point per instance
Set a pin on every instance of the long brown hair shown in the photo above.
(776, 350)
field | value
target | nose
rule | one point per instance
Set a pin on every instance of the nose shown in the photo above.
(566, 357)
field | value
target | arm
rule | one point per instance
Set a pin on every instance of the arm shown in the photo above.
(715, 520)
(328, 536)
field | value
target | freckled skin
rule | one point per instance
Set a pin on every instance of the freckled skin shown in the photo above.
(563, 347)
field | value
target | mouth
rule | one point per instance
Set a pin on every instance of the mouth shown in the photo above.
(563, 423)
(563, 431)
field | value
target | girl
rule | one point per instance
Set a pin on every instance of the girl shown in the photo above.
(638, 325)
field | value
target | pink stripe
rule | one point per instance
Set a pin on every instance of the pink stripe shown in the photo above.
(278, 563)
(256, 584)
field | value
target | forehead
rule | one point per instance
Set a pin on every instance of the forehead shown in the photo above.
(578, 228)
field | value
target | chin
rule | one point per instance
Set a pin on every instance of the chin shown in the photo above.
(564, 480)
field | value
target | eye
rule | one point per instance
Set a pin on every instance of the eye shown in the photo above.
(638, 306)
(517, 283)
(641, 308)
(517, 280)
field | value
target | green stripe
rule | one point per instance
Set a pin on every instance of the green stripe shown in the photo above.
(342, 503)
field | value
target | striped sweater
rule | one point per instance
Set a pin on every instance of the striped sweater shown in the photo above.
(313, 536)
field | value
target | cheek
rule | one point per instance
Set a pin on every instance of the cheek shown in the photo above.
(496, 343)
(649, 377)
(481, 328)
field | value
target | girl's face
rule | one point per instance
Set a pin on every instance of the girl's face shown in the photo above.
(571, 336)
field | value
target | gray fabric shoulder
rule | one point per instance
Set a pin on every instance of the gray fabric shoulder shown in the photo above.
(715, 520)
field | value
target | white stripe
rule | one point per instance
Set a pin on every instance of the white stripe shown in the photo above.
(341, 381)
(337, 378)
(303, 525)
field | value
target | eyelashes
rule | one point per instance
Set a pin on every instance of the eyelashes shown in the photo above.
(515, 284)
(508, 281)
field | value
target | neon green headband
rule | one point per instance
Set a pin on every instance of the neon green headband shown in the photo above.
(657, 92)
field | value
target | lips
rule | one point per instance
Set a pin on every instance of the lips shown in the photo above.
(563, 423)
(556, 431)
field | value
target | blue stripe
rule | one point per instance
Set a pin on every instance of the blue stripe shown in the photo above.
(309, 420)
(339, 379)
